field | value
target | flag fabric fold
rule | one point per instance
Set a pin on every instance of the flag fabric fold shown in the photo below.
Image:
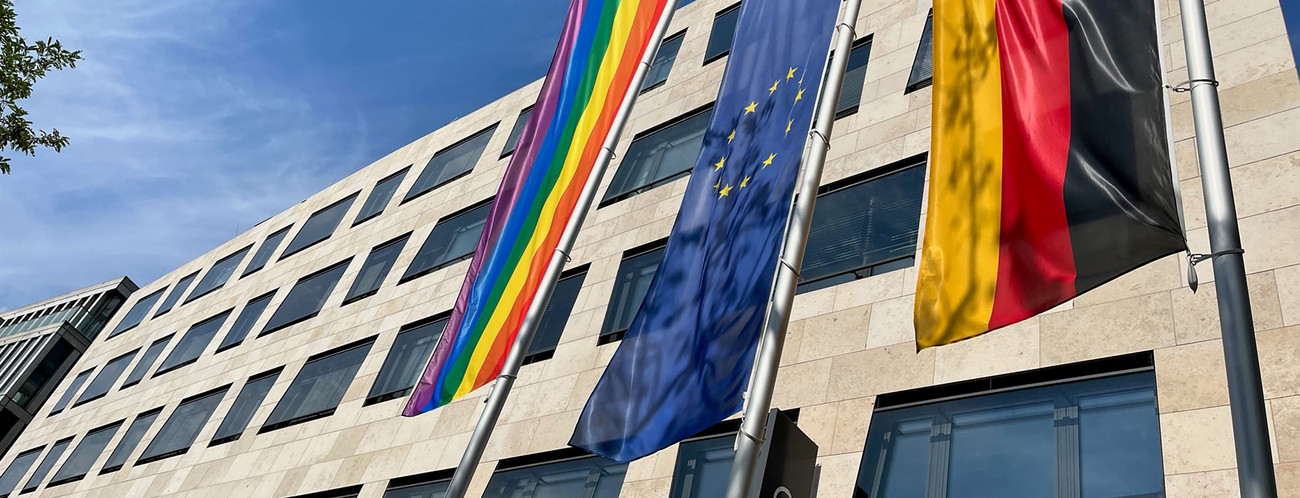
(1050, 167)
(686, 359)
(600, 47)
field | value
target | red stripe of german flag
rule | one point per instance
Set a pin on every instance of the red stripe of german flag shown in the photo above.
(1050, 170)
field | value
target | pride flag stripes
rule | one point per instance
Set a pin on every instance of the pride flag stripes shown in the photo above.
(592, 70)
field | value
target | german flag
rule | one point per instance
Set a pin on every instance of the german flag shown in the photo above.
(1050, 169)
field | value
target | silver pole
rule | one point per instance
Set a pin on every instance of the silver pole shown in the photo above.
(496, 398)
(1245, 391)
(763, 381)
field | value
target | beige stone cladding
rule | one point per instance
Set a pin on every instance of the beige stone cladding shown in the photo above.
(848, 343)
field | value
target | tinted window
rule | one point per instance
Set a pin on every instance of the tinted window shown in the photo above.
(451, 163)
(855, 77)
(703, 467)
(46, 465)
(380, 195)
(555, 318)
(658, 158)
(17, 469)
(193, 343)
(246, 404)
(146, 362)
(218, 274)
(406, 360)
(176, 293)
(107, 377)
(88, 450)
(72, 391)
(923, 64)
(180, 430)
(452, 240)
(319, 226)
(724, 29)
(318, 388)
(864, 229)
(130, 440)
(630, 287)
(306, 298)
(594, 477)
(264, 253)
(51, 364)
(138, 312)
(515, 132)
(427, 490)
(663, 63)
(376, 268)
(244, 323)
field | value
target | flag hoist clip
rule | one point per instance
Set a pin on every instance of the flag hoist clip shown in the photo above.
(504, 376)
(1186, 86)
(1193, 259)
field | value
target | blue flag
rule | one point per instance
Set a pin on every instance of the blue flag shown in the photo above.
(685, 361)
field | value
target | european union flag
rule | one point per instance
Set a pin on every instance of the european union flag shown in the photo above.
(685, 361)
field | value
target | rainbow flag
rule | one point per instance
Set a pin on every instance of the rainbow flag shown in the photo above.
(600, 47)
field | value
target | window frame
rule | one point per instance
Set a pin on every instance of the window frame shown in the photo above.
(164, 341)
(535, 356)
(865, 41)
(686, 116)
(153, 414)
(74, 388)
(407, 277)
(606, 337)
(550, 458)
(268, 426)
(221, 317)
(913, 86)
(399, 241)
(40, 476)
(274, 375)
(267, 329)
(411, 195)
(220, 392)
(680, 38)
(156, 296)
(712, 26)
(279, 236)
(399, 176)
(371, 397)
(181, 288)
(289, 250)
(115, 426)
(520, 123)
(268, 296)
(19, 478)
(82, 399)
(198, 291)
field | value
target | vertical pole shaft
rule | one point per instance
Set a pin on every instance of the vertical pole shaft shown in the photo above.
(1245, 391)
(496, 398)
(763, 381)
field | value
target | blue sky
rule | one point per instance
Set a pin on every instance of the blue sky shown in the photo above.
(191, 120)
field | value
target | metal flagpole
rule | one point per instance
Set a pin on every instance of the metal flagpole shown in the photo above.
(1245, 391)
(496, 398)
(763, 381)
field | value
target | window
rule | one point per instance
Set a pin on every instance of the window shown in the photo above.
(594, 477)
(556, 316)
(263, 254)
(319, 386)
(192, 344)
(407, 359)
(179, 432)
(53, 363)
(855, 77)
(515, 132)
(130, 440)
(923, 65)
(451, 163)
(452, 240)
(72, 391)
(246, 404)
(306, 298)
(244, 323)
(375, 269)
(1091, 438)
(663, 63)
(138, 312)
(146, 362)
(864, 227)
(380, 195)
(348, 492)
(17, 469)
(630, 287)
(88, 450)
(218, 274)
(724, 29)
(683, 3)
(659, 156)
(319, 226)
(428, 485)
(106, 378)
(46, 465)
(175, 294)
(703, 467)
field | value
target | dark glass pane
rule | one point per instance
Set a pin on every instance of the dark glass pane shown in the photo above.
(724, 29)
(176, 293)
(451, 240)
(130, 440)
(17, 469)
(855, 77)
(218, 274)
(44, 371)
(1003, 451)
(146, 362)
(46, 465)
(431, 490)
(138, 312)
(88, 450)
(244, 323)
(319, 387)
(379, 197)
(72, 391)
(515, 132)
(557, 314)
(376, 268)
(264, 253)
(630, 287)
(683, 3)
(180, 430)
(872, 223)
(1119, 440)
(594, 477)
(703, 468)
(450, 163)
(659, 157)
(193, 343)
(663, 63)
(319, 226)
(306, 298)
(107, 377)
(246, 404)
(923, 64)
(406, 360)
